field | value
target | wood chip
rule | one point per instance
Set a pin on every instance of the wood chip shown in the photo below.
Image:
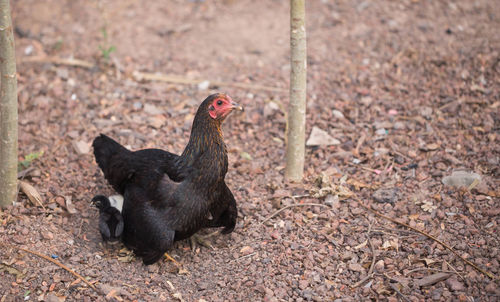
(432, 279)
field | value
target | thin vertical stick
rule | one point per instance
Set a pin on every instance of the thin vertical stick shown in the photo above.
(295, 148)
(8, 108)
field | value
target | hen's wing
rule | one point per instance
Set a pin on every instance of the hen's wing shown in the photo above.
(104, 227)
(119, 224)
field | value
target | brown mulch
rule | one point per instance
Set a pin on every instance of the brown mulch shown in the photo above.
(410, 89)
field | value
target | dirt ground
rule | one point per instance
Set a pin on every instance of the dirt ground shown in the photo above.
(410, 89)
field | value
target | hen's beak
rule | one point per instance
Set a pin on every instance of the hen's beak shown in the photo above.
(236, 106)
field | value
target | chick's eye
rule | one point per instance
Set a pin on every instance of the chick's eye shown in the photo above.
(219, 102)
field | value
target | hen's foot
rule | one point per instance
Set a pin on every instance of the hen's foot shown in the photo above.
(201, 240)
(180, 269)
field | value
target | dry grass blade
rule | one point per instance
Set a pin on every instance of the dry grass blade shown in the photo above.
(372, 265)
(32, 193)
(490, 275)
(291, 206)
(56, 263)
(398, 292)
(59, 61)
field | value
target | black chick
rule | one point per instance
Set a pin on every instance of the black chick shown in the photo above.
(110, 218)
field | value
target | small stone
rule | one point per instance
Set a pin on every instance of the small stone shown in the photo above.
(47, 235)
(356, 267)
(381, 131)
(29, 50)
(430, 147)
(62, 73)
(246, 250)
(137, 105)
(333, 201)
(399, 126)
(204, 85)
(337, 114)
(379, 266)
(426, 112)
(157, 121)
(366, 100)
(269, 108)
(454, 285)
(51, 297)
(269, 292)
(303, 284)
(152, 109)
(436, 294)
(491, 287)
(385, 195)
(81, 147)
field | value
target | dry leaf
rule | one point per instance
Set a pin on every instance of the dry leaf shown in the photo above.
(462, 179)
(320, 137)
(32, 193)
(11, 270)
(361, 245)
(393, 243)
(69, 205)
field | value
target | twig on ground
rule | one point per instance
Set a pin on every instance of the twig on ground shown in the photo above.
(59, 61)
(80, 229)
(360, 142)
(372, 265)
(454, 270)
(398, 292)
(490, 275)
(291, 206)
(56, 263)
(139, 76)
(364, 168)
(243, 257)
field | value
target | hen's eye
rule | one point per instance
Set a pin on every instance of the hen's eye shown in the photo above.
(219, 102)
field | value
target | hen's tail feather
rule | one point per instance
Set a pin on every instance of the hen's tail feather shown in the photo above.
(113, 159)
(104, 149)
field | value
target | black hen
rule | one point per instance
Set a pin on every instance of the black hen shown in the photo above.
(110, 218)
(168, 197)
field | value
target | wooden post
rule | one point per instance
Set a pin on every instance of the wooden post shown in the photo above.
(295, 148)
(8, 108)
